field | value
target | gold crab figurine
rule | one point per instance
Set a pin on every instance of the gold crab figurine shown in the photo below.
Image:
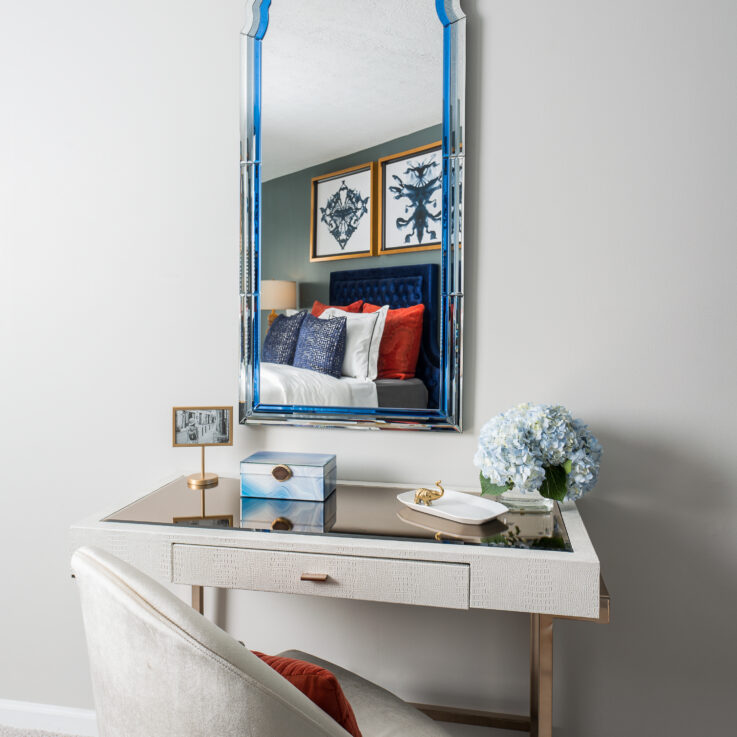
(426, 496)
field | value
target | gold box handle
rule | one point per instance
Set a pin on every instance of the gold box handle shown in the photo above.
(314, 577)
(282, 523)
(281, 472)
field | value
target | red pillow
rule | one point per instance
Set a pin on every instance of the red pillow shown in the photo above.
(319, 685)
(318, 308)
(400, 344)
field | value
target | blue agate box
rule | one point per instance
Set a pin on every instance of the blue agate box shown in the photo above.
(287, 514)
(310, 477)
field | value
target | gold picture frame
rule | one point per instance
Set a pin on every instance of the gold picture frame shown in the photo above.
(315, 198)
(193, 443)
(383, 184)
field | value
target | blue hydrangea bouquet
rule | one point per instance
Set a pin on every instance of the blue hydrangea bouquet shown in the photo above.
(538, 447)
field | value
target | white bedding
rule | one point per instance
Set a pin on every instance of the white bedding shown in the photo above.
(289, 385)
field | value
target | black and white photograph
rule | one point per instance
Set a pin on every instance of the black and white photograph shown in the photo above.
(202, 426)
(342, 207)
(411, 201)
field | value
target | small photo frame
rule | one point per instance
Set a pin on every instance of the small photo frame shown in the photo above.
(343, 214)
(196, 426)
(411, 200)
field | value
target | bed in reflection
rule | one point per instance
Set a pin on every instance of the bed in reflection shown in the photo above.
(292, 386)
(374, 344)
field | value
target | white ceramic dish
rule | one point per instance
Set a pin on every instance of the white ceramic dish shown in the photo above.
(457, 506)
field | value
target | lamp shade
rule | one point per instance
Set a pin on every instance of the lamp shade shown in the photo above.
(278, 295)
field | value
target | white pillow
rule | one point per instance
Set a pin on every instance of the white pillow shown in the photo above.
(363, 336)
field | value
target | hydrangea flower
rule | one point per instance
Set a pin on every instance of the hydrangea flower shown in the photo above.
(523, 446)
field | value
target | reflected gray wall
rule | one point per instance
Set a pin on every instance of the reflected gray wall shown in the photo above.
(286, 223)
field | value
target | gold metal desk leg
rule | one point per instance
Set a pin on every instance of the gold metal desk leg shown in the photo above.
(541, 675)
(198, 599)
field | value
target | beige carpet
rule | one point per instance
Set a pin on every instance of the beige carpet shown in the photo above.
(13, 732)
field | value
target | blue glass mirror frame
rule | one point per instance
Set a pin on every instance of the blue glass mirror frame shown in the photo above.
(448, 415)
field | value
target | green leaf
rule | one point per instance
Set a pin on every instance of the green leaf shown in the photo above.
(554, 485)
(489, 489)
(568, 465)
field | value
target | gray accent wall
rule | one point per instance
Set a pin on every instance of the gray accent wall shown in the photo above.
(286, 223)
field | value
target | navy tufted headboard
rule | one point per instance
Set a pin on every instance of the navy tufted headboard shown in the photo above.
(400, 286)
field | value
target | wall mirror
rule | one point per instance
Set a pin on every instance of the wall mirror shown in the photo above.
(352, 151)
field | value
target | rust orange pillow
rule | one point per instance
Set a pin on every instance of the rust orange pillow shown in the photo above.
(319, 685)
(318, 307)
(400, 344)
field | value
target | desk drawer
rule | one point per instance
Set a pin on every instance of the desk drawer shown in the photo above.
(347, 577)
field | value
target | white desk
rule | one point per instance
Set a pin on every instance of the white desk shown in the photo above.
(388, 568)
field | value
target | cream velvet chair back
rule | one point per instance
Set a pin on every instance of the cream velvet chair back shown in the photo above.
(160, 669)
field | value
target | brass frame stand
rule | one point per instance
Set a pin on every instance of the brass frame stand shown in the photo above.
(198, 599)
(201, 481)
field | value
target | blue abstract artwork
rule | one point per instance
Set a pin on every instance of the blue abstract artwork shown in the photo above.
(343, 212)
(412, 199)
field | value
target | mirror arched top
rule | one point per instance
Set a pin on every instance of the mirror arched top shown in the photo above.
(449, 11)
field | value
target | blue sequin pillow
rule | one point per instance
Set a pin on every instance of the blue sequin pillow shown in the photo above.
(321, 345)
(281, 340)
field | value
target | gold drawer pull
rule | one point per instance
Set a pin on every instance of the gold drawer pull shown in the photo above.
(314, 577)
(282, 523)
(281, 472)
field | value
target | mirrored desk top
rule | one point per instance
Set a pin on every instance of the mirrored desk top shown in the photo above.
(368, 510)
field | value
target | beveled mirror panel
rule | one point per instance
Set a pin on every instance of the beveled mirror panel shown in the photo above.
(351, 257)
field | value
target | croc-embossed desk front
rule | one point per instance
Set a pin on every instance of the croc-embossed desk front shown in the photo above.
(543, 565)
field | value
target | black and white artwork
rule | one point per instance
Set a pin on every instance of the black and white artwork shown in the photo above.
(412, 207)
(342, 214)
(202, 426)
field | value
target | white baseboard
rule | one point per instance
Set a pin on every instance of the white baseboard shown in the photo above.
(64, 719)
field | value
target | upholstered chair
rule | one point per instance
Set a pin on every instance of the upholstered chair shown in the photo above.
(160, 669)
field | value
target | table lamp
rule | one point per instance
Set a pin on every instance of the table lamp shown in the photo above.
(278, 295)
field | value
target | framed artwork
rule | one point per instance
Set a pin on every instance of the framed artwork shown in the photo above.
(202, 426)
(343, 214)
(411, 200)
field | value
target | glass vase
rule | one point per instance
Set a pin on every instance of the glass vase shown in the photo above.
(525, 501)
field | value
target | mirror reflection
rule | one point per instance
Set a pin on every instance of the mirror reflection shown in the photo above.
(351, 205)
(354, 509)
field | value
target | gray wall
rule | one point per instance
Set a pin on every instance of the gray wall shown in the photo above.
(601, 183)
(286, 223)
